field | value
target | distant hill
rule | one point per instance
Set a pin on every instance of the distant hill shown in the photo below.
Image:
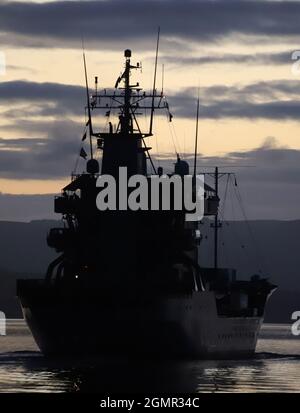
(268, 247)
(271, 247)
(23, 254)
(23, 246)
(8, 299)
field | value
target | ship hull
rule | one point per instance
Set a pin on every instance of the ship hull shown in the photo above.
(171, 325)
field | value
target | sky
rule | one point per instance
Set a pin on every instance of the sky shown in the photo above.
(238, 54)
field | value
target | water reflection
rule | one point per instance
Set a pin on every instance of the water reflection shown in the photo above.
(275, 368)
(31, 372)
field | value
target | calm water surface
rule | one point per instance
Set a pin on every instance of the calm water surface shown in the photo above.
(275, 368)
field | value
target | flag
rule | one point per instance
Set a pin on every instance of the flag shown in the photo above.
(83, 153)
(84, 136)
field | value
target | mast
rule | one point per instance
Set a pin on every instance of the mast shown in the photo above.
(129, 100)
(88, 106)
(125, 127)
(154, 83)
(196, 137)
(216, 225)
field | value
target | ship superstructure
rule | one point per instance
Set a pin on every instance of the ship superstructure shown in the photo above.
(129, 281)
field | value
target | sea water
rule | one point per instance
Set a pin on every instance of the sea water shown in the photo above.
(274, 368)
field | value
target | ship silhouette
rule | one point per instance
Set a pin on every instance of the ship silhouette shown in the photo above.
(130, 282)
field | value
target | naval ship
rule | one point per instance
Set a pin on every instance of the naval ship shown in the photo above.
(130, 282)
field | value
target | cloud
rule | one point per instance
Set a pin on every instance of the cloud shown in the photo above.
(267, 178)
(67, 99)
(51, 156)
(109, 23)
(47, 149)
(270, 189)
(281, 58)
(276, 100)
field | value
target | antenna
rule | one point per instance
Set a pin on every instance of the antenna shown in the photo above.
(216, 224)
(154, 83)
(88, 105)
(96, 85)
(196, 137)
(162, 79)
